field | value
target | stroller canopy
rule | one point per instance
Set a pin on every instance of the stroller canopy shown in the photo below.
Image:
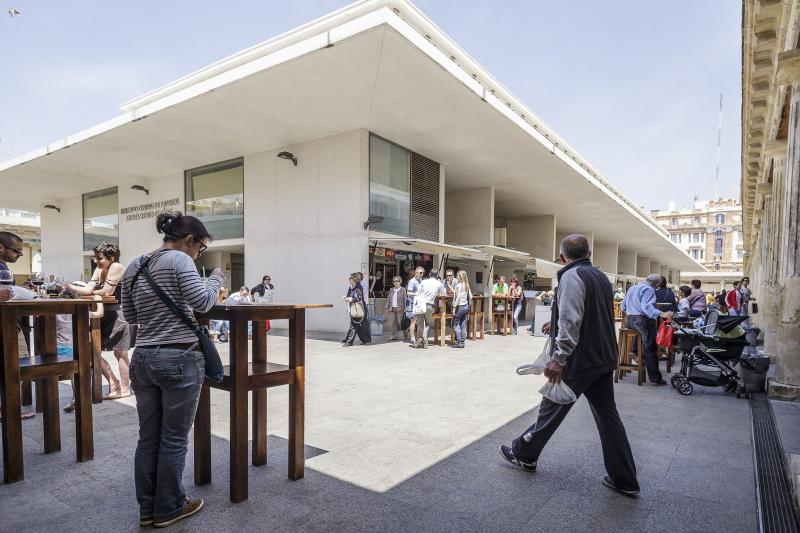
(726, 323)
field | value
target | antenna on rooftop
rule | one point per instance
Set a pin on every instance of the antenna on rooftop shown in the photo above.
(719, 143)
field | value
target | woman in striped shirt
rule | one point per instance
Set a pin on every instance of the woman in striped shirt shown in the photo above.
(168, 367)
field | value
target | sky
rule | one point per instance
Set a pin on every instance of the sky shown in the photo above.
(633, 86)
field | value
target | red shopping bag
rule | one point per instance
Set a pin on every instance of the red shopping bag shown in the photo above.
(664, 335)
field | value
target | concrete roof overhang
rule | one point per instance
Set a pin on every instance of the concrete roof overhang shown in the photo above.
(380, 65)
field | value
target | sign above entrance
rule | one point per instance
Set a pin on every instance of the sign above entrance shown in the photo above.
(150, 210)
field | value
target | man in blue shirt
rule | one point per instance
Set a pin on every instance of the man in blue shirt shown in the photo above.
(641, 314)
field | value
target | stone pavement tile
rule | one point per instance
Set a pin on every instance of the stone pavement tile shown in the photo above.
(711, 480)
(680, 513)
(22, 511)
(588, 482)
(717, 451)
(568, 511)
(787, 417)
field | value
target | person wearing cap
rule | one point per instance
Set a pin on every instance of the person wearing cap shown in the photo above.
(641, 315)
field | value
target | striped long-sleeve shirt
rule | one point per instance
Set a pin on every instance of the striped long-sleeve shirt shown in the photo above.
(175, 272)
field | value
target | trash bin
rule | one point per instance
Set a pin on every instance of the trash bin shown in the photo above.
(754, 366)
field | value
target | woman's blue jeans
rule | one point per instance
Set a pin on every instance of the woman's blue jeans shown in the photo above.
(460, 322)
(167, 383)
(517, 310)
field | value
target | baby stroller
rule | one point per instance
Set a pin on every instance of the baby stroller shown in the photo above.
(709, 353)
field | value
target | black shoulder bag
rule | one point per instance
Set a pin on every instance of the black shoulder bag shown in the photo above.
(214, 370)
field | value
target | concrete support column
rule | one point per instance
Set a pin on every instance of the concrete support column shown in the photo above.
(605, 256)
(786, 384)
(626, 262)
(533, 235)
(469, 216)
(664, 271)
(642, 266)
(655, 267)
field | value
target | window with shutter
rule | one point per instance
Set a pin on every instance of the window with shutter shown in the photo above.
(424, 198)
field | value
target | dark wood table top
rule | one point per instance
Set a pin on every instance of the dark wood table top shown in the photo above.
(278, 307)
(50, 301)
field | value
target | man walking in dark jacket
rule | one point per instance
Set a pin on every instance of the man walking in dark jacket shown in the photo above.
(584, 356)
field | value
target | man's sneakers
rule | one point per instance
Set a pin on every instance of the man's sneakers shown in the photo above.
(189, 508)
(610, 484)
(508, 455)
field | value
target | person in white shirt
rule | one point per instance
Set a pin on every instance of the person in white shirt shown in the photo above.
(424, 304)
(241, 297)
(396, 308)
(411, 295)
(683, 304)
(462, 302)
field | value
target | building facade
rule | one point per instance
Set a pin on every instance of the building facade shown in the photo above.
(710, 233)
(770, 191)
(26, 225)
(366, 141)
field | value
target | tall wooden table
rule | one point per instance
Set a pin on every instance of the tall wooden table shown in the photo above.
(46, 366)
(477, 313)
(507, 312)
(242, 377)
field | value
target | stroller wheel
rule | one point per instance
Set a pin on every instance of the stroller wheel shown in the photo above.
(729, 387)
(685, 388)
(674, 380)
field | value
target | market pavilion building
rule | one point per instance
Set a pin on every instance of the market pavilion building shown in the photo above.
(366, 140)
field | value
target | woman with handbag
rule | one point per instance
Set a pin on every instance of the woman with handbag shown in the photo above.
(160, 292)
(356, 309)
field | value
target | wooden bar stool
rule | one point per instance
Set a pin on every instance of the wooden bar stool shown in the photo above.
(628, 338)
(440, 318)
(477, 320)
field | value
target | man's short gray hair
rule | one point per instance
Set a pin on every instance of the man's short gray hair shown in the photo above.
(654, 279)
(575, 246)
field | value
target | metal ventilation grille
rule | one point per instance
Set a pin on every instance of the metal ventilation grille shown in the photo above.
(424, 198)
(775, 496)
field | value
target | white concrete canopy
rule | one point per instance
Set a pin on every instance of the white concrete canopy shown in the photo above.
(379, 65)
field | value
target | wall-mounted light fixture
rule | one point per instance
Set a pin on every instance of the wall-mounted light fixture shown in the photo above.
(288, 155)
(373, 219)
(141, 188)
(51, 206)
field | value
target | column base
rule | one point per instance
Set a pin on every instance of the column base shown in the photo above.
(783, 391)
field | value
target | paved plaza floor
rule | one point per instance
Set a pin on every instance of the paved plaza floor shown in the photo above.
(406, 440)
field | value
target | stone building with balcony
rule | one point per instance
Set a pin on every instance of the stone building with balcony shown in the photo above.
(710, 232)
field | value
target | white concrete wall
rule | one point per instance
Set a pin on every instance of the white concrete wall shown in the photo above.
(642, 266)
(304, 224)
(605, 256)
(469, 216)
(534, 235)
(62, 239)
(626, 262)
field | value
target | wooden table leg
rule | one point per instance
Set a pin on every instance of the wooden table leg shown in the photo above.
(202, 438)
(84, 439)
(297, 361)
(259, 422)
(97, 354)
(238, 404)
(27, 393)
(51, 421)
(13, 466)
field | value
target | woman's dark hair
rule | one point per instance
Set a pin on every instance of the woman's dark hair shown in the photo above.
(109, 250)
(176, 226)
(685, 290)
(696, 283)
(663, 282)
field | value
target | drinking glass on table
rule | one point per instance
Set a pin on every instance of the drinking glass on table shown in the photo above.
(6, 277)
(37, 279)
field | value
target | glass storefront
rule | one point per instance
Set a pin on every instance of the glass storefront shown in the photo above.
(390, 186)
(215, 195)
(386, 263)
(100, 218)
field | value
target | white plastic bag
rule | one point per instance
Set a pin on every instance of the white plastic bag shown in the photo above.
(558, 392)
(538, 366)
